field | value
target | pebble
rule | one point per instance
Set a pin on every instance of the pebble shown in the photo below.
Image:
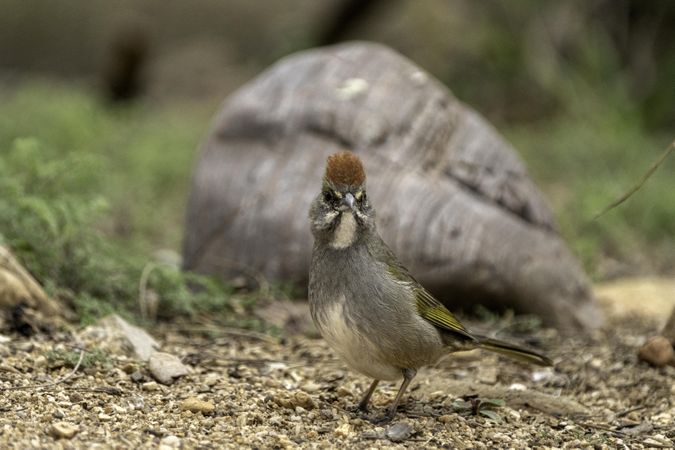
(169, 443)
(658, 441)
(136, 376)
(488, 375)
(657, 351)
(343, 392)
(76, 397)
(399, 431)
(211, 379)
(298, 398)
(196, 405)
(303, 399)
(40, 361)
(445, 418)
(63, 430)
(165, 368)
(663, 418)
(311, 387)
(513, 414)
(343, 431)
(150, 386)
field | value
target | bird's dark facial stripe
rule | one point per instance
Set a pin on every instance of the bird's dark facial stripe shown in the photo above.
(332, 197)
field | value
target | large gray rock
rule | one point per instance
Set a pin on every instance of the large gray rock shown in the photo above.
(454, 200)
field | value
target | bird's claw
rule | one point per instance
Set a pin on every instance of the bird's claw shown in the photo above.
(358, 409)
(381, 419)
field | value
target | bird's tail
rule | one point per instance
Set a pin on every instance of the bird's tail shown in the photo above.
(513, 351)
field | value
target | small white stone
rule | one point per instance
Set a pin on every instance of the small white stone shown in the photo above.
(169, 443)
(165, 368)
(63, 430)
(150, 386)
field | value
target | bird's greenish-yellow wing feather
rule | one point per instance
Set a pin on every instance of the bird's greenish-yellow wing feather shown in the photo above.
(435, 313)
(428, 307)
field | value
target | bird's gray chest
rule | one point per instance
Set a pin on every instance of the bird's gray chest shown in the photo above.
(356, 347)
(355, 309)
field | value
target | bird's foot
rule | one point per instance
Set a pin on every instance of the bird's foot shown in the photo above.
(381, 419)
(358, 409)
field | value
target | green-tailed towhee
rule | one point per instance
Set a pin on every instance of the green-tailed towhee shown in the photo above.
(368, 307)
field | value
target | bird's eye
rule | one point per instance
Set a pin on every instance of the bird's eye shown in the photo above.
(328, 196)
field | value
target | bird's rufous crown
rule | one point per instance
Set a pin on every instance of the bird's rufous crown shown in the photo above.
(345, 168)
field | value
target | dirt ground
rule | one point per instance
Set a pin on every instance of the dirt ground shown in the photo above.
(246, 390)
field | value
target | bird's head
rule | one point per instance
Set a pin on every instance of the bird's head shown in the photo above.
(341, 213)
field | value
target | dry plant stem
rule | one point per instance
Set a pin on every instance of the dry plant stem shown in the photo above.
(72, 372)
(53, 383)
(48, 305)
(143, 288)
(639, 184)
(239, 332)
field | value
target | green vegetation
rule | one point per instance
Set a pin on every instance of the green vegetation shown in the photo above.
(86, 193)
(587, 158)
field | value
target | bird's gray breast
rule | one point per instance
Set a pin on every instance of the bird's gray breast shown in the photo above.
(368, 317)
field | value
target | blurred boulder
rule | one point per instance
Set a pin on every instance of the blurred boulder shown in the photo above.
(454, 200)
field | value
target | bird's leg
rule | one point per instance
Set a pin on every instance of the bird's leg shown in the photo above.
(363, 404)
(408, 375)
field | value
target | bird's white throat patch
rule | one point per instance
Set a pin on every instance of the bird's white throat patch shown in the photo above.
(345, 232)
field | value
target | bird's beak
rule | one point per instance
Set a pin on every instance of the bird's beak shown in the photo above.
(348, 200)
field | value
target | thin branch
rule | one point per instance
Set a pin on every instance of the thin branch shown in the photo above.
(142, 289)
(629, 410)
(238, 332)
(51, 383)
(72, 372)
(639, 184)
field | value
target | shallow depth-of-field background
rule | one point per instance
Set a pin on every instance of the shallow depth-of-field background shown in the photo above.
(582, 89)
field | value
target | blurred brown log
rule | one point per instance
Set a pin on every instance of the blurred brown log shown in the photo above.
(24, 305)
(454, 201)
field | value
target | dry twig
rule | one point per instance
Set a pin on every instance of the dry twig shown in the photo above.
(639, 184)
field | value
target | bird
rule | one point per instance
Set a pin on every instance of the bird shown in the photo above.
(368, 307)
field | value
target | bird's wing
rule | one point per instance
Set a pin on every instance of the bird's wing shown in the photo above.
(428, 307)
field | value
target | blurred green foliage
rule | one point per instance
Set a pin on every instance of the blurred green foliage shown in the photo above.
(70, 171)
(589, 157)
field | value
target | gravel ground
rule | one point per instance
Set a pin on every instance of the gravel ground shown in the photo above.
(262, 392)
